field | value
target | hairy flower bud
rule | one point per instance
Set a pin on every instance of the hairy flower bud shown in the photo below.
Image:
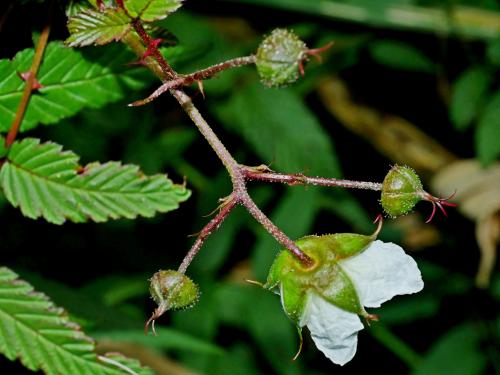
(171, 290)
(401, 191)
(279, 57)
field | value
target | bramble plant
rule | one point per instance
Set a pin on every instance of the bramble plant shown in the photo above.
(325, 282)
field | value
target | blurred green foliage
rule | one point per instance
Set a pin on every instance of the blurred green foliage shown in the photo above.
(434, 63)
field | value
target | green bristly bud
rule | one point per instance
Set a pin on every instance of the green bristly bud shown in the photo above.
(278, 58)
(173, 290)
(401, 191)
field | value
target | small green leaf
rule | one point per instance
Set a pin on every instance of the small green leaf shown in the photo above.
(488, 131)
(467, 96)
(401, 56)
(42, 337)
(151, 10)
(46, 182)
(96, 27)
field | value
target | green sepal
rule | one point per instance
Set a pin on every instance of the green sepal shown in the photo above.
(339, 290)
(401, 191)
(293, 299)
(345, 245)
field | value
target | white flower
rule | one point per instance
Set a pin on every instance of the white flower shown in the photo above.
(378, 273)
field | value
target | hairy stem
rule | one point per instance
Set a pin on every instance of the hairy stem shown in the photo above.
(28, 88)
(281, 237)
(300, 179)
(207, 230)
(198, 76)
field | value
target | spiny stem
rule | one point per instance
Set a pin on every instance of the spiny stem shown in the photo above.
(187, 80)
(28, 88)
(300, 179)
(155, 52)
(212, 226)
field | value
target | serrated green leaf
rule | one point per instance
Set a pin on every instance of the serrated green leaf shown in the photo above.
(151, 10)
(400, 56)
(488, 131)
(44, 181)
(468, 93)
(96, 27)
(38, 333)
(71, 81)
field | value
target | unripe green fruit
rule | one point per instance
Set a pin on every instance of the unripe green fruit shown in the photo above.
(278, 58)
(173, 290)
(401, 191)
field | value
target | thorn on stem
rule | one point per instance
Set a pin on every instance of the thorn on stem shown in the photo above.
(200, 87)
(25, 76)
(153, 45)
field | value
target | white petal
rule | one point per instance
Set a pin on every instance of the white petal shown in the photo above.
(333, 330)
(381, 272)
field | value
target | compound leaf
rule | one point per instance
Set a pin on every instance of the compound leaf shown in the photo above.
(96, 27)
(44, 181)
(42, 337)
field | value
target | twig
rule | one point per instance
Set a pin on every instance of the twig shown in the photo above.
(212, 226)
(198, 76)
(28, 88)
(300, 179)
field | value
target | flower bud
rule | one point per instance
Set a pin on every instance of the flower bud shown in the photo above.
(278, 58)
(173, 290)
(401, 191)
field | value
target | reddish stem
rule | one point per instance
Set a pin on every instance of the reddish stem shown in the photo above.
(207, 230)
(153, 49)
(300, 179)
(195, 77)
(29, 86)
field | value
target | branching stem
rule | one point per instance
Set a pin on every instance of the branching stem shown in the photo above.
(239, 174)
